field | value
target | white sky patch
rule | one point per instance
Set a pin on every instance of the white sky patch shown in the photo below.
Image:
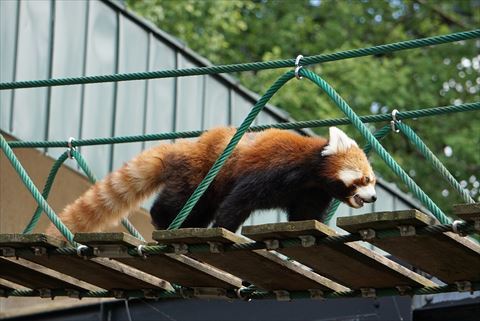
(448, 151)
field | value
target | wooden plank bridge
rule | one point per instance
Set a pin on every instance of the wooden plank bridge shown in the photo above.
(280, 258)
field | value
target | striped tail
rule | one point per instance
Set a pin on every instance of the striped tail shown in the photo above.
(111, 199)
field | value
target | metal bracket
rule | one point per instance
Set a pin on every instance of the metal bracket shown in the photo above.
(180, 248)
(111, 251)
(477, 223)
(81, 251)
(404, 289)
(407, 230)
(74, 294)
(150, 294)
(394, 121)
(119, 294)
(367, 234)
(45, 293)
(464, 286)
(216, 247)
(186, 293)
(7, 251)
(272, 244)
(307, 240)
(209, 293)
(282, 295)
(455, 228)
(39, 250)
(368, 292)
(316, 294)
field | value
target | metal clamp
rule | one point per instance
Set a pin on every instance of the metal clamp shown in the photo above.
(45, 293)
(316, 294)
(150, 294)
(242, 296)
(140, 251)
(282, 295)
(455, 227)
(74, 294)
(298, 67)
(407, 230)
(7, 251)
(367, 234)
(71, 148)
(119, 294)
(272, 244)
(394, 121)
(216, 247)
(180, 248)
(80, 250)
(464, 286)
(404, 289)
(209, 293)
(39, 250)
(368, 292)
(307, 240)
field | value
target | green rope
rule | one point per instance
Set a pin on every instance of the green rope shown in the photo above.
(46, 191)
(425, 112)
(83, 165)
(333, 207)
(202, 187)
(35, 192)
(436, 163)
(403, 45)
(347, 110)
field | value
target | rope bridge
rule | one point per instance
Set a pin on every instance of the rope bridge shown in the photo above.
(299, 241)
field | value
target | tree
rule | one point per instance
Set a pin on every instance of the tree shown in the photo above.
(240, 31)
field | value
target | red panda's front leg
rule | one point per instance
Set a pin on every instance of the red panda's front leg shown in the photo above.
(236, 207)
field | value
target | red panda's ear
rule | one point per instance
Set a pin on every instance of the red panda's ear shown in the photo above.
(338, 142)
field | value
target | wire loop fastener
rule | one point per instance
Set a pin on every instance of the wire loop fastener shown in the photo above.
(456, 227)
(81, 249)
(394, 121)
(298, 67)
(71, 148)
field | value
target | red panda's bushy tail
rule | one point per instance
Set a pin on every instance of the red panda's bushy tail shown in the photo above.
(111, 199)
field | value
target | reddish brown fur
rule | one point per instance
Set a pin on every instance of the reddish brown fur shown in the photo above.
(187, 162)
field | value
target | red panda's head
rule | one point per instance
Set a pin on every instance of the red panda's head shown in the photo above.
(351, 178)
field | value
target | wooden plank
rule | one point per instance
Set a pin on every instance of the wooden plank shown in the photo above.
(100, 272)
(447, 256)
(30, 278)
(178, 269)
(349, 264)
(467, 212)
(262, 268)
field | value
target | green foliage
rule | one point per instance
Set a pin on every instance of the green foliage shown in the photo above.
(230, 31)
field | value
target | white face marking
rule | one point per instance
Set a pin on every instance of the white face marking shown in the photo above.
(338, 142)
(366, 192)
(348, 176)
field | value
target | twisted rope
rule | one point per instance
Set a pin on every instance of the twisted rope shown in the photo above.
(379, 149)
(46, 191)
(436, 163)
(202, 187)
(425, 112)
(35, 192)
(403, 45)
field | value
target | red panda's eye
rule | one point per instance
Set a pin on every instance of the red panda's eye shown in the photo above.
(367, 179)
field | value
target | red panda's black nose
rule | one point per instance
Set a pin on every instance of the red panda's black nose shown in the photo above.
(374, 198)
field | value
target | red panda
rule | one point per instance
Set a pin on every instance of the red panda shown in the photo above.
(269, 169)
